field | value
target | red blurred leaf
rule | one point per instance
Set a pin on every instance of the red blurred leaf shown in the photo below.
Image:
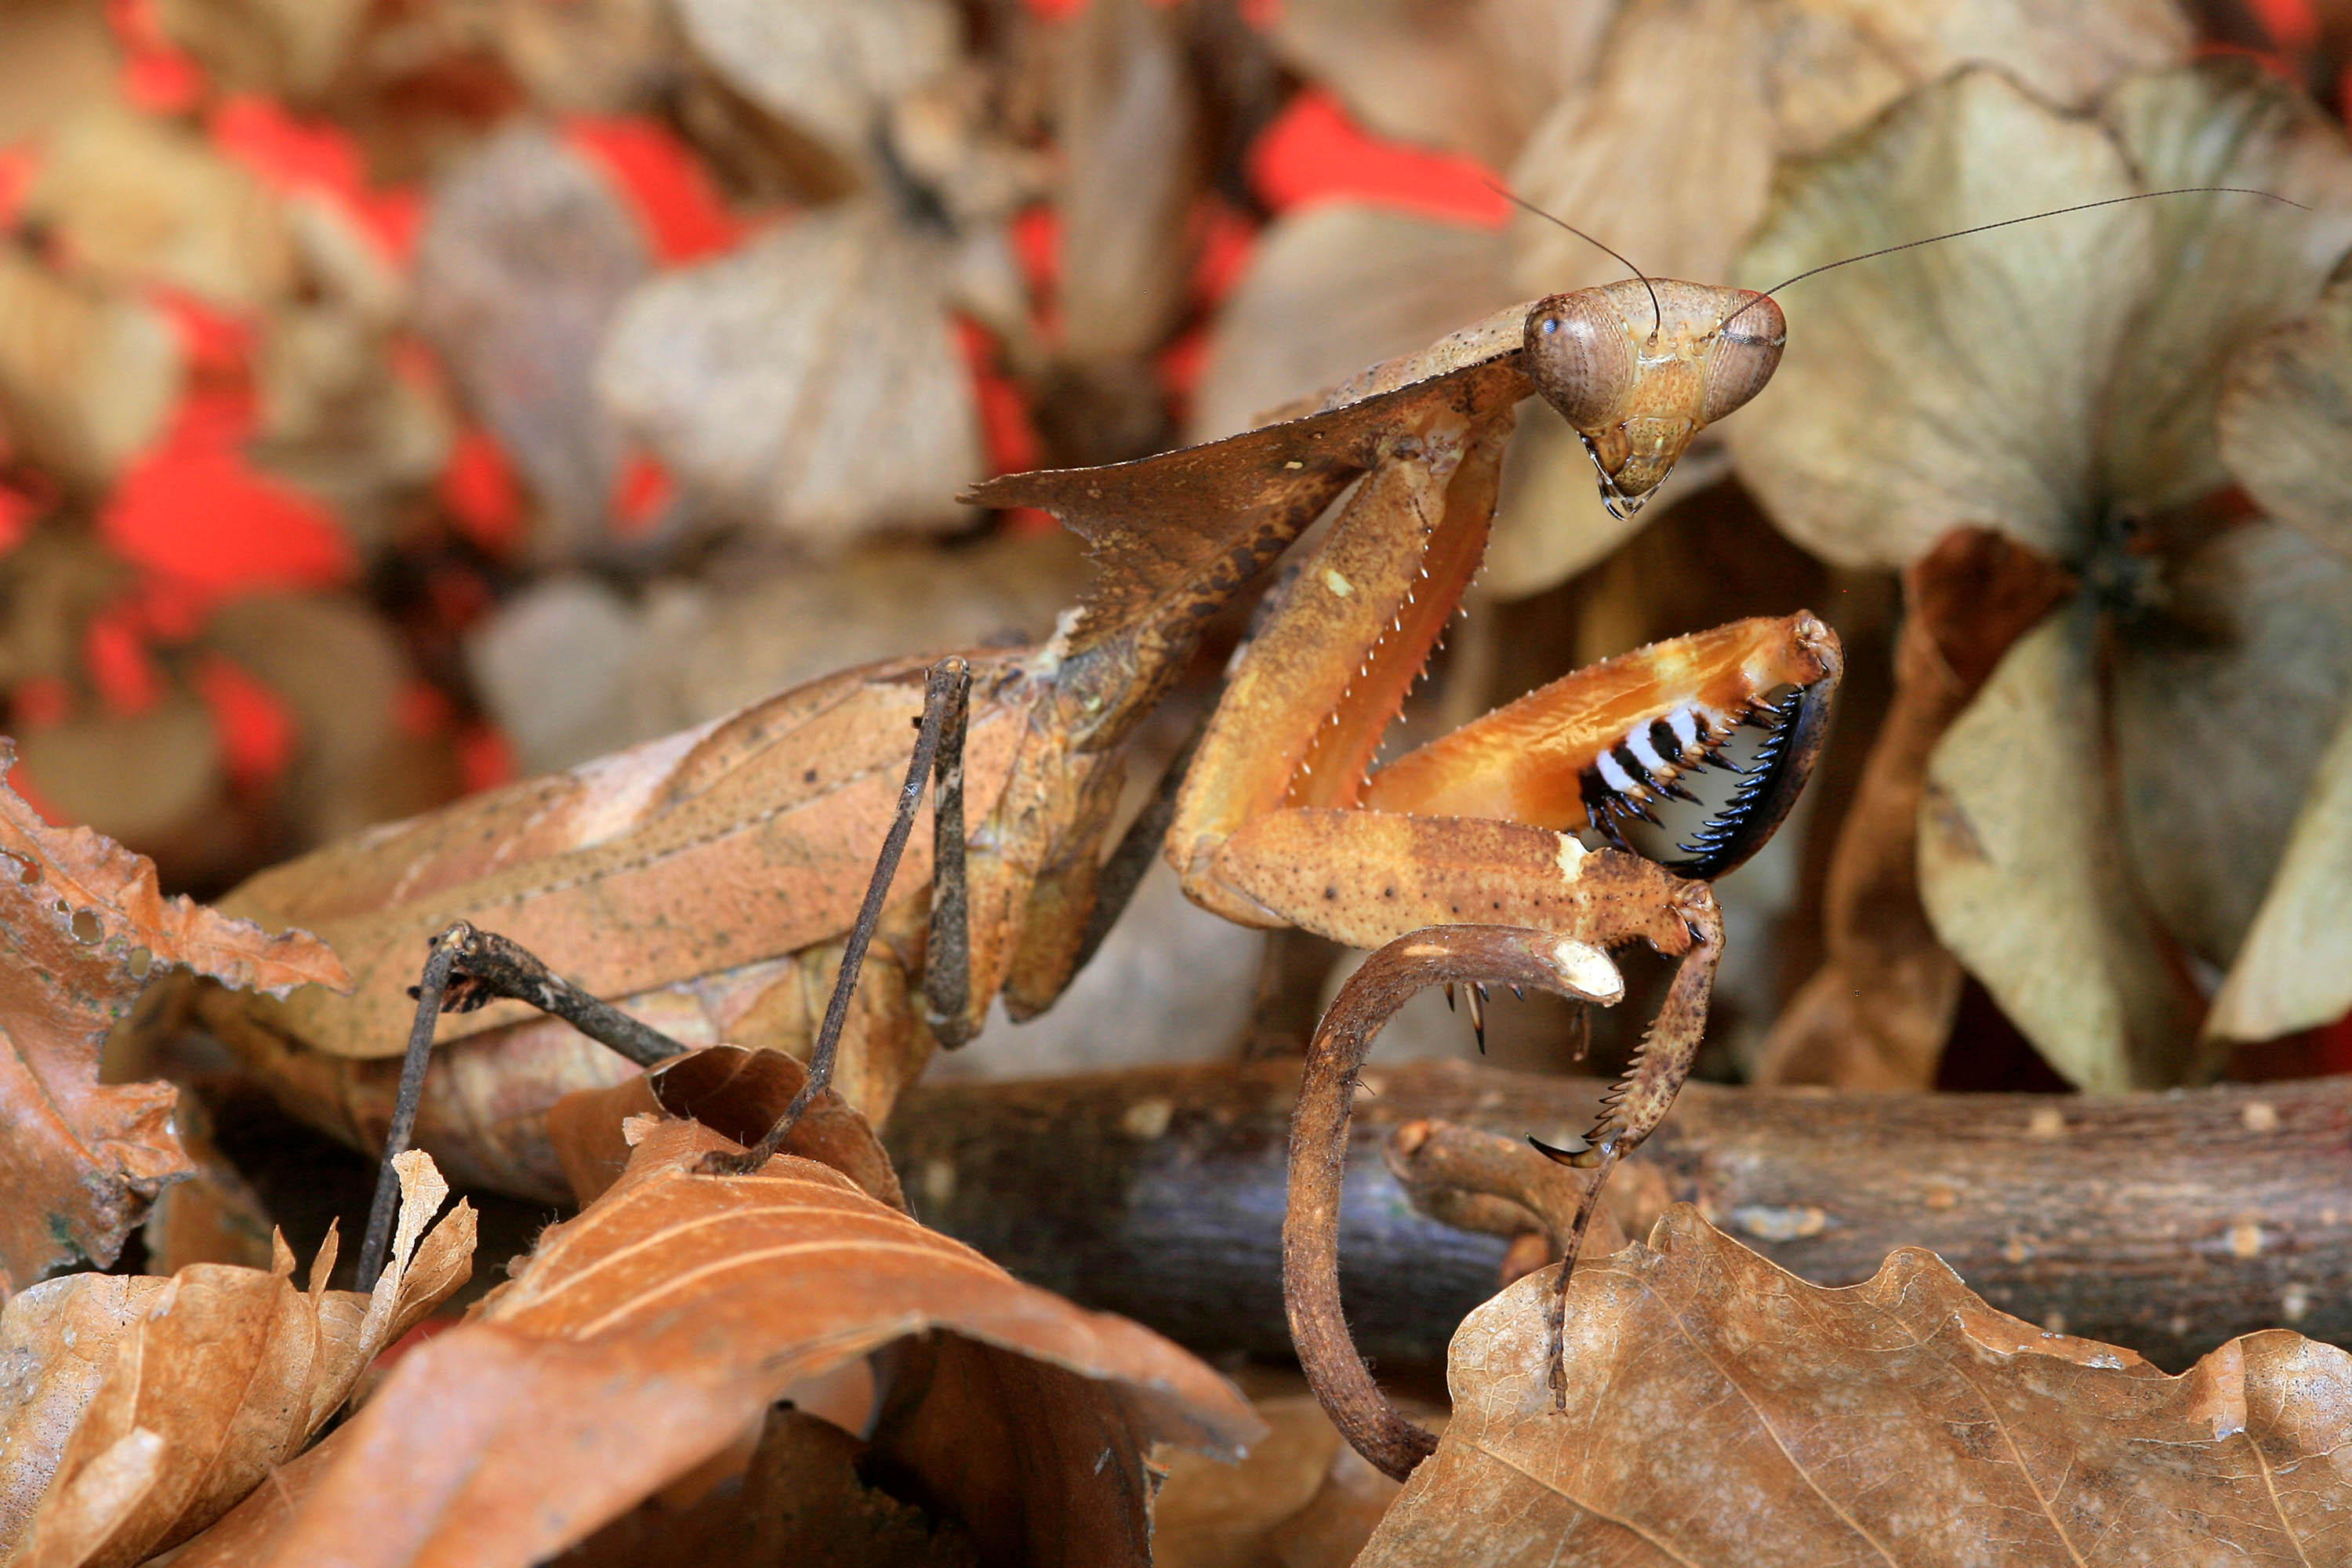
(257, 731)
(206, 515)
(1314, 152)
(316, 156)
(1006, 432)
(642, 493)
(486, 758)
(668, 189)
(119, 664)
(18, 165)
(156, 76)
(480, 489)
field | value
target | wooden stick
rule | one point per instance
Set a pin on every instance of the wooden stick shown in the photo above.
(2166, 1223)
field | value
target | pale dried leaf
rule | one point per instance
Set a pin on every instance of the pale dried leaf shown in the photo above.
(2229, 266)
(591, 57)
(57, 1340)
(81, 1159)
(137, 199)
(525, 258)
(2020, 868)
(1471, 76)
(2285, 418)
(1836, 64)
(809, 382)
(86, 379)
(1130, 123)
(1331, 290)
(340, 670)
(643, 1335)
(2294, 969)
(1666, 155)
(1721, 1410)
(2219, 704)
(218, 1376)
(287, 49)
(828, 67)
(1960, 383)
(146, 776)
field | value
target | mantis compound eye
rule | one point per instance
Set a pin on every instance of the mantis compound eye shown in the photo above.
(1747, 352)
(1579, 354)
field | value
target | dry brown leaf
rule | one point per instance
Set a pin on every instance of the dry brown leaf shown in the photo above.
(340, 668)
(1469, 75)
(86, 379)
(525, 256)
(1302, 1498)
(1875, 1014)
(642, 1336)
(830, 68)
(809, 382)
(803, 1499)
(205, 1383)
(76, 910)
(340, 422)
(571, 669)
(2285, 418)
(286, 48)
(137, 199)
(1130, 119)
(1720, 1410)
(590, 57)
(1332, 290)
(144, 777)
(2294, 969)
(736, 1093)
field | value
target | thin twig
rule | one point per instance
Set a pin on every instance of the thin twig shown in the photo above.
(943, 691)
(430, 989)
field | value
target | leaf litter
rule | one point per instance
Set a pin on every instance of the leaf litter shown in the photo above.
(1714, 1402)
(638, 1338)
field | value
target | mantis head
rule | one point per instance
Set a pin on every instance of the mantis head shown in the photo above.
(1641, 366)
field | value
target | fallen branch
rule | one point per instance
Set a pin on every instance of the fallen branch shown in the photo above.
(2165, 1222)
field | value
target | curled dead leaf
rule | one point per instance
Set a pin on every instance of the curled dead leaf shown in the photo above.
(639, 1337)
(736, 1093)
(149, 1407)
(77, 913)
(1720, 1410)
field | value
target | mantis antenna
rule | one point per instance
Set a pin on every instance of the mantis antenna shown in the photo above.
(1657, 317)
(1982, 228)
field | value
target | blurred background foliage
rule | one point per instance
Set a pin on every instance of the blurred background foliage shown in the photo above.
(399, 396)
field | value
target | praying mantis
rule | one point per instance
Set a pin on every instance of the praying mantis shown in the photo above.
(731, 859)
